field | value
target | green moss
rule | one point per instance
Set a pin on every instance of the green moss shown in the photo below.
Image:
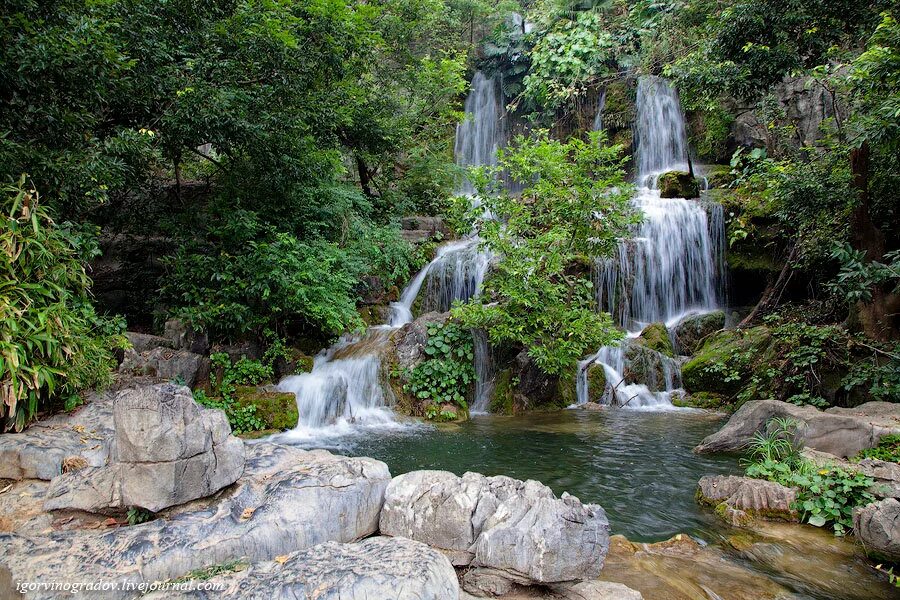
(714, 368)
(656, 337)
(619, 107)
(718, 176)
(678, 184)
(502, 398)
(706, 400)
(596, 380)
(566, 389)
(278, 410)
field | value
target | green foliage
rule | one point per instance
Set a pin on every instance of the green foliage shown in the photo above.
(446, 376)
(875, 78)
(250, 277)
(224, 381)
(824, 496)
(888, 449)
(858, 277)
(52, 343)
(567, 58)
(137, 515)
(574, 204)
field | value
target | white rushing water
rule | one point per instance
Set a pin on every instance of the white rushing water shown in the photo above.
(345, 392)
(671, 267)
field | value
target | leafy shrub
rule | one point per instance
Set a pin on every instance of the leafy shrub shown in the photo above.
(248, 277)
(224, 381)
(447, 374)
(888, 449)
(574, 204)
(52, 342)
(824, 495)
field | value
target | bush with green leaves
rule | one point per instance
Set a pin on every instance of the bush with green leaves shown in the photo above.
(53, 345)
(225, 378)
(574, 206)
(825, 495)
(447, 374)
(888, 449)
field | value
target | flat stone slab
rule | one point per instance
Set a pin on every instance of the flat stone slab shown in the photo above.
(838, 431)
(287, 500)
(379, 568)
(40, 451)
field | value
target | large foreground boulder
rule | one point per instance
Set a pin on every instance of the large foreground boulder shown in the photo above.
(877, 526)
(838, 431)
(47, 448)
(740, 499)
(505, 528)
(170, 450)
(287, 500)
(374, 569)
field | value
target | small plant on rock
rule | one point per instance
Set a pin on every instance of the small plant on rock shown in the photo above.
(447, 374)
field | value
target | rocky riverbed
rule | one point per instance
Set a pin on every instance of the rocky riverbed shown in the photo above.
(264, 520)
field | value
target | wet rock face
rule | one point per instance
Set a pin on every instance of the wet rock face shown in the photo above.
(739, 499)
(376, 568)
(678, 184)
(505, 528)
(40, 451)
(839, 431)
(287, 500)
(877, 526)
(691, 331)
(170, 451)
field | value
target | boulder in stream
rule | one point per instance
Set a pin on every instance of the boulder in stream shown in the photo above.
(739, 499)
(690, 333)
(877, 526)
(839, 431)
(505, 528)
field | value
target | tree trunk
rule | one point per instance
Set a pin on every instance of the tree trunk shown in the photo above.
(772, 295)
(365, 179)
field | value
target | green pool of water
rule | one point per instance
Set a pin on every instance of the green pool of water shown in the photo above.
(637, 465)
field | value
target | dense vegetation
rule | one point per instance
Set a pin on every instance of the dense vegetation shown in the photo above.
(258, 156)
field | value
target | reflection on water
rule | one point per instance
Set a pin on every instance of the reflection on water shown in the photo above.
(637, 465)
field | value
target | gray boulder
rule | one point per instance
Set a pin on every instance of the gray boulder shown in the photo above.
(170, 450)
(408, 342)
(374, 569)
(42, 451)
(144, 342)
(183, 337)
(877, 526)
(166, 363)
(739, 499)
(514, 530)
(691, 331)
(287, 500)
(842, 432)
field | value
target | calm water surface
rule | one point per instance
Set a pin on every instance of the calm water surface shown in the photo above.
(637, 465)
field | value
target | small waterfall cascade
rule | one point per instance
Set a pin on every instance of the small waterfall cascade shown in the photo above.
(344, 390)
(670, 268)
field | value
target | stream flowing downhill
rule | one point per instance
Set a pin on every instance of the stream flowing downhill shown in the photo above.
(672, 267)
(344, 392)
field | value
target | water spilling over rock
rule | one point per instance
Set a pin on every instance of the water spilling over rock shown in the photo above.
(672, 266)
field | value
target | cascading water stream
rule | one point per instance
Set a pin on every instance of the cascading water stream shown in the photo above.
(344, 389)
(672, 265)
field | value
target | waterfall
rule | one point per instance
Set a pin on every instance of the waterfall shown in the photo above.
(480, 135)
(672, 266)
(344, 390)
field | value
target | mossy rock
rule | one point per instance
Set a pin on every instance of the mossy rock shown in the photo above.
(567, 389)
(678, 184)
(596, 382)
(705, 400)
(656, 337)
(718, 176)
(619, 106)
(278, 410)
(502, 399)
(706, 370)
